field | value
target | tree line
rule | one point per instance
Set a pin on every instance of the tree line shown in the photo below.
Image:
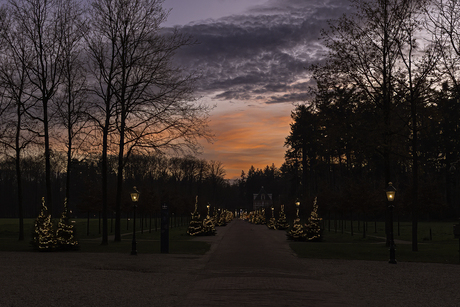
(159, 179)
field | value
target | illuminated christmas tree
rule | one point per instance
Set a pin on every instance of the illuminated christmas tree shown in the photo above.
(221, 218)
(228, 216)
(272, 221)
(196, 225)
(252, 217)
(209, 224)
(43, 237)
(282, 223)
(313, 227)
(65, 234)
(297, 232)
(262, 217)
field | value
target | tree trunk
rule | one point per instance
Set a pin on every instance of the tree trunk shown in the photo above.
(18, 174)
(414, 175)
(120, 179)
(105, 235)
(304, 185)
(49, 200)
(69, 161)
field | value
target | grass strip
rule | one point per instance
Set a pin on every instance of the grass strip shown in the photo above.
(147, 241)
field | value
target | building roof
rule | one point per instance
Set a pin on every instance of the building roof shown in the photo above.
(262, 192)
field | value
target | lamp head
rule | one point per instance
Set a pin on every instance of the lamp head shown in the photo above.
(391, 192)
(135, 195)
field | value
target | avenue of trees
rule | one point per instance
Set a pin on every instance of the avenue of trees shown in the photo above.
(92, 104)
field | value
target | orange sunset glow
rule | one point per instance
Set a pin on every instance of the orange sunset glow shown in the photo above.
(253, 56)
(253, 136)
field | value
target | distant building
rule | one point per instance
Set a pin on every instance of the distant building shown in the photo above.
(262, 199)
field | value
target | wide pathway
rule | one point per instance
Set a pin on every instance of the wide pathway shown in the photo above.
(251, 265)
(248, 265)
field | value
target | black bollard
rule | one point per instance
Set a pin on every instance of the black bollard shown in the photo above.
(164, 235)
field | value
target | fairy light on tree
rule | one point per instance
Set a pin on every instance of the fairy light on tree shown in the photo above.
(209, 224)
(221, 218)
(196, 225)
(297, 232)
(313, 226)
(44, 238)
(272, 221)
(65, 234)
(282, 223)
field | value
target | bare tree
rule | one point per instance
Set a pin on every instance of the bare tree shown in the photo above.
(444, 25)
(42, 28)
(365, 48)
(416, 78)
(101, 45)
(15, 127)
(72, 104)
(145, 97)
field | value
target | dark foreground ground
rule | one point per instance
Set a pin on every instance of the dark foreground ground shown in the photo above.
(248, 265)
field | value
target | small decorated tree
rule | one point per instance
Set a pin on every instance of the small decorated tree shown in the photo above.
(209, 225)
(297, 232)
(65, 234)
(221, 218)
(313, 226)
(282, 223)
(43, 237)
(228, 216)
(196, 225)
(272, 221)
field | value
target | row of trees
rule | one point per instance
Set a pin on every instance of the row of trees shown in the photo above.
(386, 109)
(96, 80)
(158, 178)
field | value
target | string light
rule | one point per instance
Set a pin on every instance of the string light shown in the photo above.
(44, 238)
(313, 226)
(196, 226)
(310, 231)
(282, 223)
(65, 234)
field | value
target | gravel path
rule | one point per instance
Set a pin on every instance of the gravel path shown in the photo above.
(90, 279)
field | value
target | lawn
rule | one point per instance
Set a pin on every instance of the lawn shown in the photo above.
(436, 243)
(90, 238)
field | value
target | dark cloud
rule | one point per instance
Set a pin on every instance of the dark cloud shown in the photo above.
(263, 53)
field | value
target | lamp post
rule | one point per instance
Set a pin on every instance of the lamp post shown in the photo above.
(135, 199)
(391, 192)
(297, 205)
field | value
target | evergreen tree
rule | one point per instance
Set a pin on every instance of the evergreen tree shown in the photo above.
(281, 223)
(209, 228)
(228, 216)
(298, 231)
(196, 225)
(65, 234)
(43, 238)
(221, 219)
(313, 227)
(272, 221)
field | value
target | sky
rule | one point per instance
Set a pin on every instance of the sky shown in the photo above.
(254, 56)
